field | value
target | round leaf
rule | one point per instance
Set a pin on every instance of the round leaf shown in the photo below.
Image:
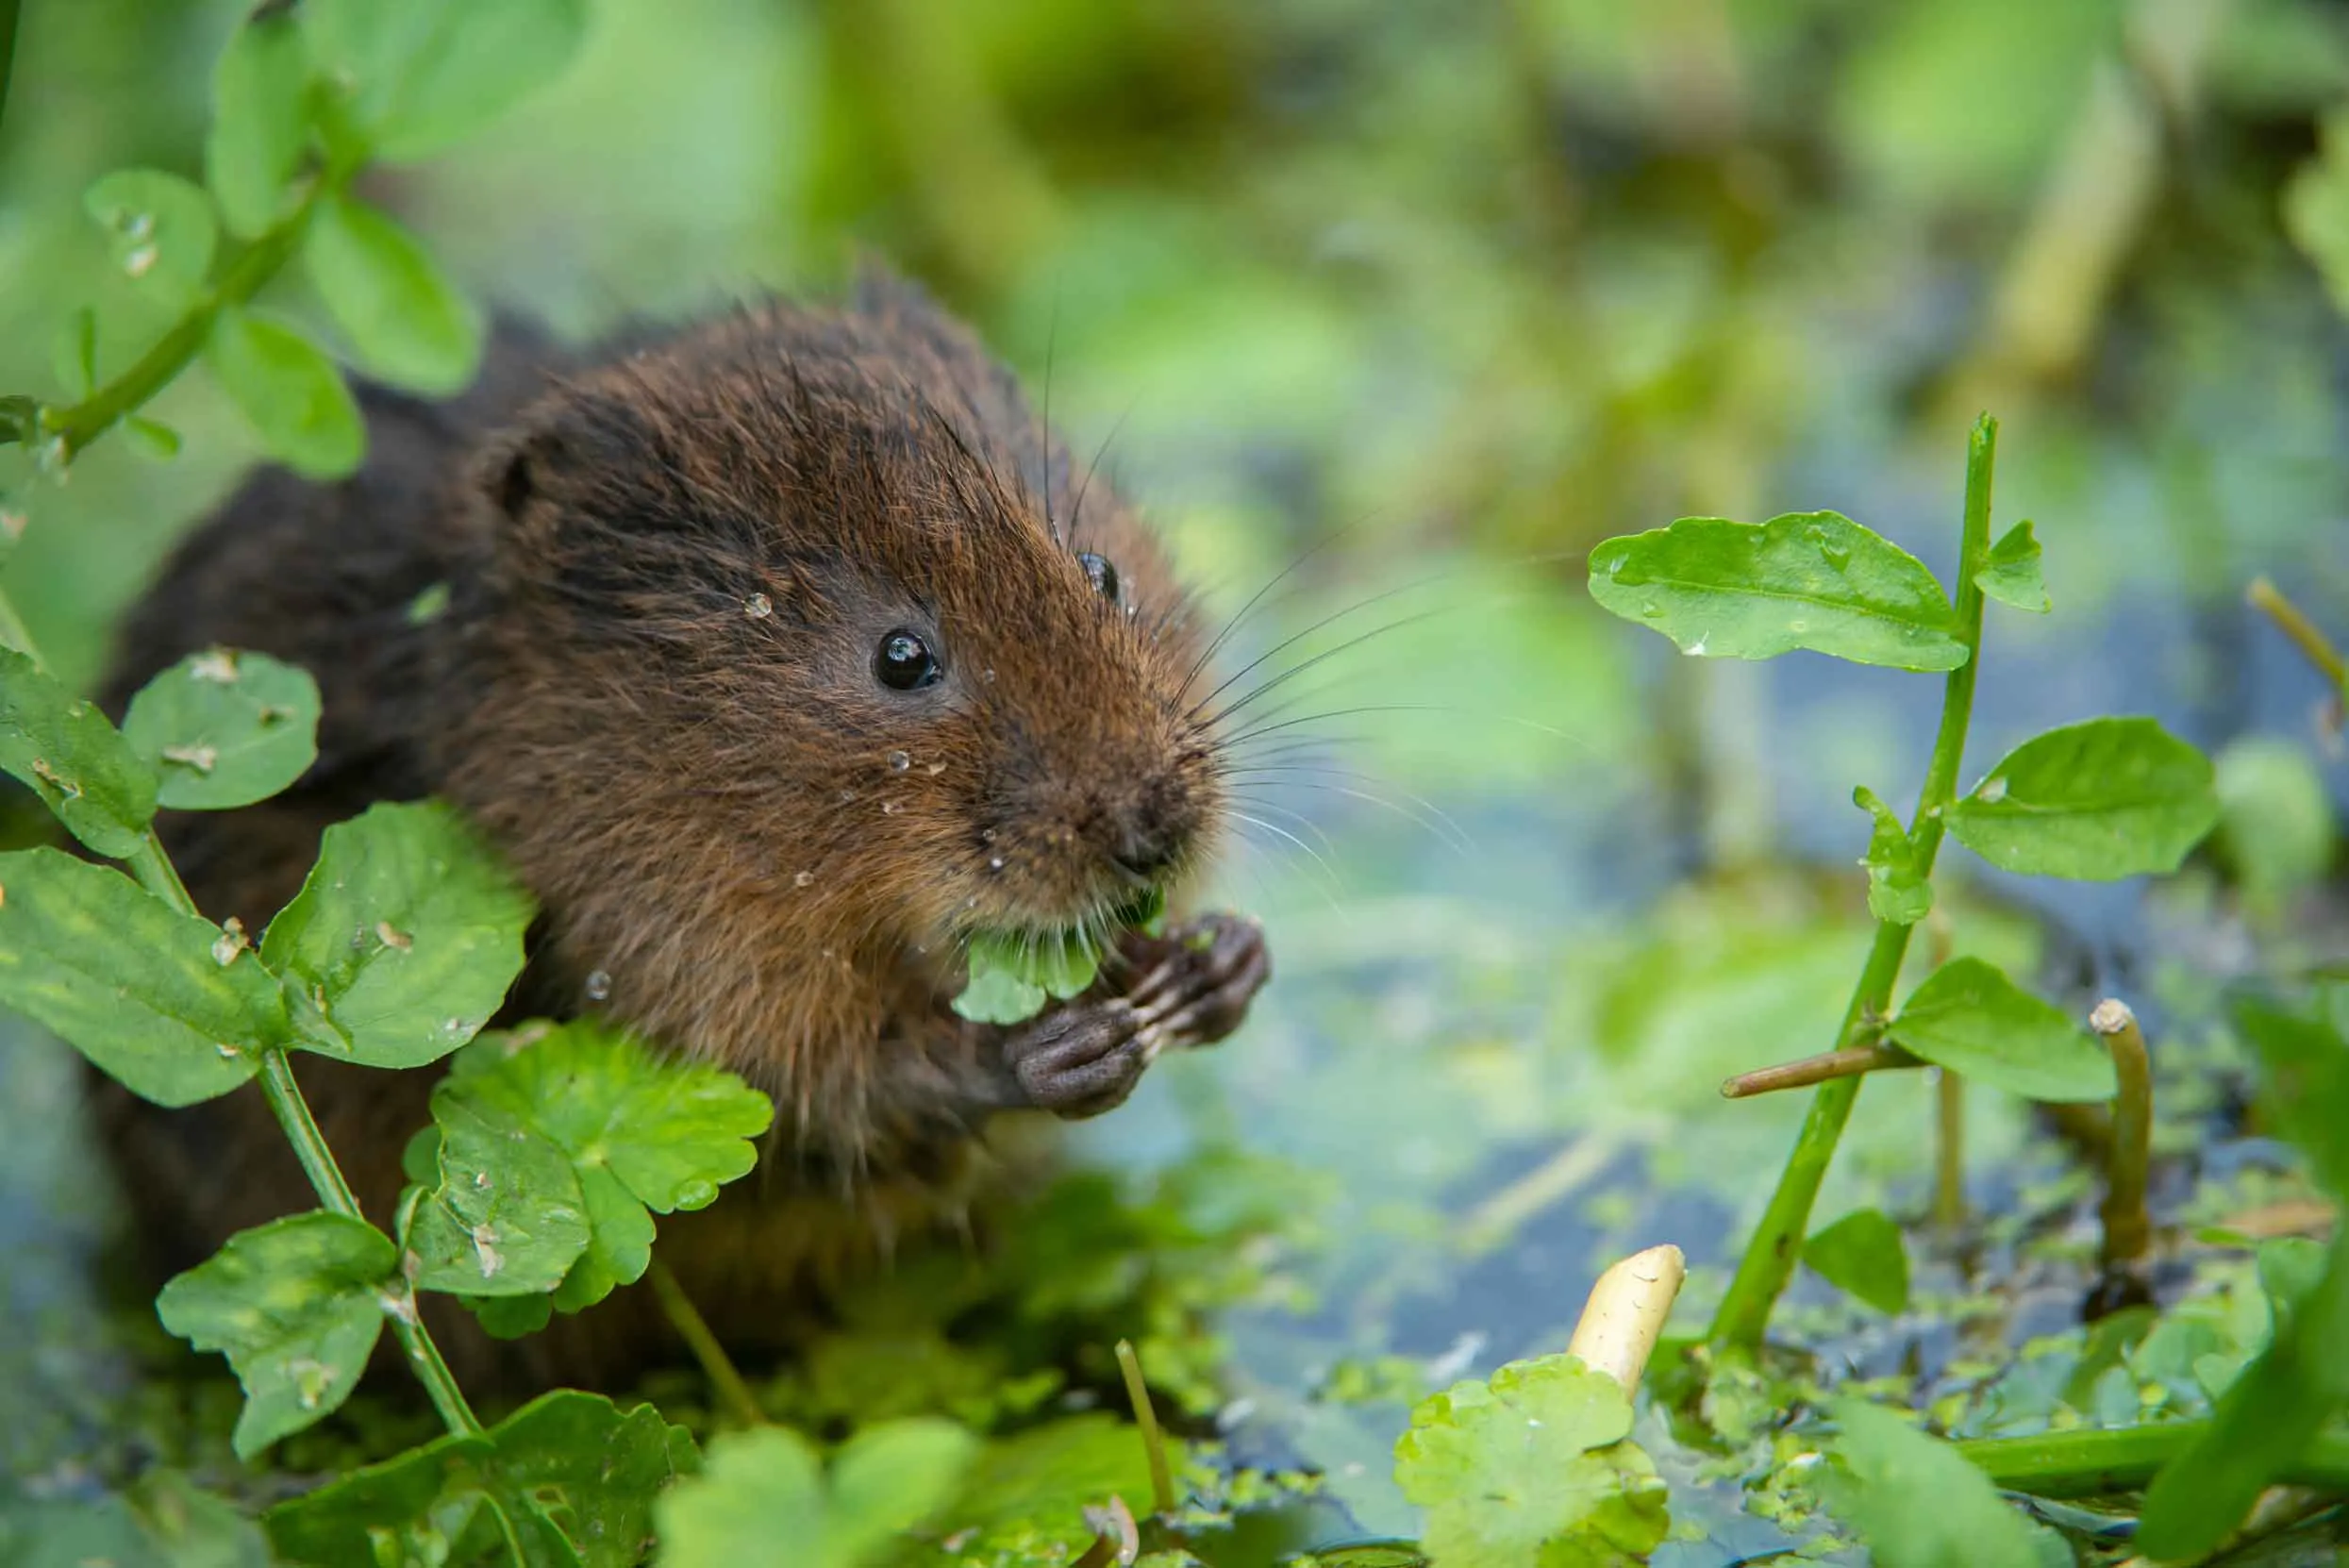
(64, 751)
(260, 121)
(886, 1479)
(1968, 1017)
(160, 229)
(291, 392)
(2093, 802)
(408, 324)
(427, 74)
(224, 728)
(506, 1218)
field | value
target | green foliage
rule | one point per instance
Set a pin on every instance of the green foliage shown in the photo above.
(1813, 579)
(767, 1485)
(1013, 976)
(2276, 820)
(223, 728)
(160, 229)
(2093, 802)
(160, 1521)
(1968, 1017)
(2316, 208)
(409, 324)
(1898, 891)
(504, 1216)
(1532, 1466)
(296, 1306)
(1862, 1256)
(64, 749)
(426, 75)
(1023, 1501)
(2011, 574)
(1918, 1504)
(261, 122)
(291, 392)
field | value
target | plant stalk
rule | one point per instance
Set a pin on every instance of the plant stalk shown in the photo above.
(1777, 1242)
(2128, 1228)
(2086, 1462)
(742, 1406)
(2306, 636)
(1146, 1417)
(1809, 1072)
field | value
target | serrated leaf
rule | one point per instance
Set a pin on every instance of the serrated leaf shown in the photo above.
(135, 985)
(408, 325)
(1968, 1017)
(504, 1217)
(63, 749)
(1862, 1256)
(886, 1479)
(224, 728)
(1917, 1503)
(1814, 580)
(427, 74)
(1898, 891)
(407, 931)
(1529, 1464)
(570, 1477)
(296, 1306)
(2093, 802)
(291, 391)
(260, 121)
(2011, 575)
(159, 228)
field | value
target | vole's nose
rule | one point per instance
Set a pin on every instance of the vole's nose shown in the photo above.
(1147, 844)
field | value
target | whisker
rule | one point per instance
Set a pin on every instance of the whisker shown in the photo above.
(1253, 599)
(1291, 641)
(1291, 674)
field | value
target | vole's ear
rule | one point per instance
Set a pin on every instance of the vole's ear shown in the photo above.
(547, 460)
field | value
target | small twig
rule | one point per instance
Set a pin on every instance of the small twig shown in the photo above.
(1849, 1063)
(1625, 1313)
(2306, 636)
(2126, 1227)
(1146, 1417)
(742, 1406)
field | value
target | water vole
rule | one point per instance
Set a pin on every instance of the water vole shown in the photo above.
(779, 656)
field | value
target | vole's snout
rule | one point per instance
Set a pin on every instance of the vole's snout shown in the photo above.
(1147, 846)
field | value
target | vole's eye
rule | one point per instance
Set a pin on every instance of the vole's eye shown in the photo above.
(904, 663)
(1100, 573)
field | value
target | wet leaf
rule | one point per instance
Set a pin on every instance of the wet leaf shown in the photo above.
(1968, 1017)
(1862, 1256)
(136, 986)
(1531, 1467)
(428, 74)
(1919, 1504)
(407, 933)
(224, 728)
(408, 325)
(1814, 580)
(2011, 575)
(63, 749)
(570, 1479)
(159, 228)
(2093, 802)
(260, 121)
(884, 1480)
(295, 1305)
(291, 391)
(1897, 889)
(504, 1217)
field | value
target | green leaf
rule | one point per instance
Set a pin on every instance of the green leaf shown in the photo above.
(162, 1002)
(64, 750)
(1968, 1017)
(505, 1218)
(295, 1305)
(2316, 208)
(407, 933)
(160, 1521)
(570, 1478)
(2276, 818)
(291, 392)
(74, 353)
(157, 438)
(1862, 1256)
(1812, 580)
(1917, 1503)
(2011, 575)
(885, 1480)
(427, 74)
(1025, 1496)
(1898, 891)
(2093, 802)
(1532, 1466)
(160, 229)
(224, 728)
(260, 121)
(1012, 974)
(409, 324)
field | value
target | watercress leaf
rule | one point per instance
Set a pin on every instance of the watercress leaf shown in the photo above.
(891, 1477)
(997, 995)
(1012, 975)
(260, 121)
(1518, 1468)
(407, 932)
(223, 728)
(156, 437)
(295, 1305)
(886, 1479)
(427, 74)
(290, 390)
(2092, 802)
(1968, 1017)
(506, 1216)
(2011, 574)
(163, 1003)
(160, 229)
(410, 325)
(1917, 1503)
(1814, 580)
(619, 1241)
(63, 749)
(1862, 1256)
(570, 1477)
(1025, 1495)
(1898, 891)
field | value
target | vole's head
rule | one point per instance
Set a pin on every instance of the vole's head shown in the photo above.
(802, 631)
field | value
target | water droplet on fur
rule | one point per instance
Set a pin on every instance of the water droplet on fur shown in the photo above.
(847, 795)
(899, 761)
(934, 769)
(994, 862)
(758, 607)
(598, 985)
(987, 835)
(987, 677)
(805, 879)
(888, 807)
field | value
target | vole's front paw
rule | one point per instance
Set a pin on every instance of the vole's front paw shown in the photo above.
(1080, 1060)
(1195, 983)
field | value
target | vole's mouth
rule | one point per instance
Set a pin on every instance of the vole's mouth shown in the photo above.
(1014, 973)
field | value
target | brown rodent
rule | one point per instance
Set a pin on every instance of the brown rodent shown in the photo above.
(778, 656)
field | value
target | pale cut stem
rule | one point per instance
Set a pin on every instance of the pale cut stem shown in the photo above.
(2128, 1228)
(1625, 1316)
(1806, 1072)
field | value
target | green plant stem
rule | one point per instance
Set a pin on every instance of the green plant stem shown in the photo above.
(1146, 1417)
(1777, 1244)
(2127, 1227)
(2121, 1458)
(2306, 636)
(1949, 1151)
(741, 1405)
